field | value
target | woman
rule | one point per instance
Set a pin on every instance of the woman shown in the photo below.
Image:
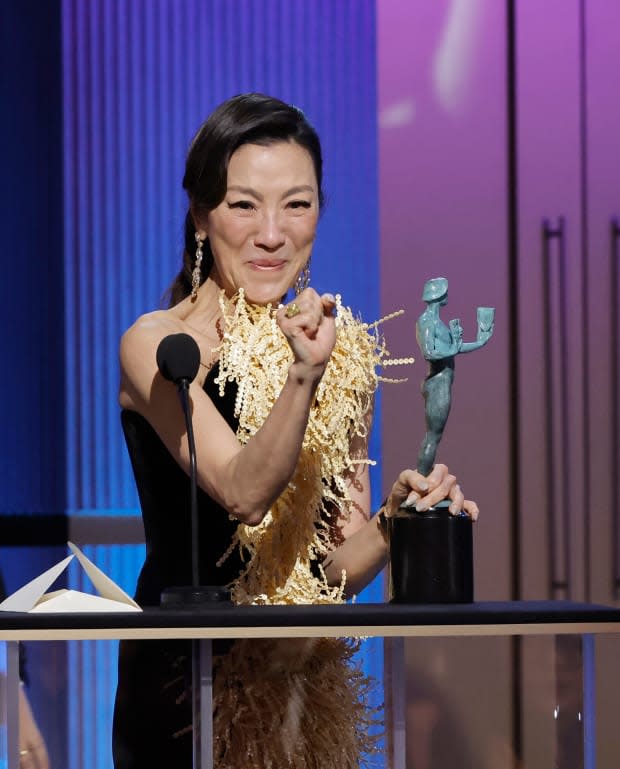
(281, 409)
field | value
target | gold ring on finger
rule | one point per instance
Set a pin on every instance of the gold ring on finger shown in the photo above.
(292, 310)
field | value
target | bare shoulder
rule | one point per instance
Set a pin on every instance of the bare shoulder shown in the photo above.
(138, 350)
(148, 331)
(151, 324)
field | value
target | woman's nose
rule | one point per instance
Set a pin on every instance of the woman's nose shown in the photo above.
(269, 235)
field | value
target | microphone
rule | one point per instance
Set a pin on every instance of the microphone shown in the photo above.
(178, 360)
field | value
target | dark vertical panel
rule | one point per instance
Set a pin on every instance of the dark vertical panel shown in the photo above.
(31, 291)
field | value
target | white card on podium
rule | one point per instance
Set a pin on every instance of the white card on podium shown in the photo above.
(33, 597)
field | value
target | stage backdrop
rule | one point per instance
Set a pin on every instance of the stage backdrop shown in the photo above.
(139, 77)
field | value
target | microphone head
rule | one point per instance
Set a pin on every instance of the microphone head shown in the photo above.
(178, 357)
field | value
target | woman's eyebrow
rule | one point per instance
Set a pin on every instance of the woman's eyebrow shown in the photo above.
(299, 188)
(245, 191)
(255, 194)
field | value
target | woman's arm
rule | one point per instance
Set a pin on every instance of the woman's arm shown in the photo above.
(364, 551)
(245, 480)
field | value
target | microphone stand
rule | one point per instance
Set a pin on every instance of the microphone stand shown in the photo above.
(202, 676)
(187, 597)
(193, 483)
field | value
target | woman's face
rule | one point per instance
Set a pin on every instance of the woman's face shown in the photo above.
(261, 234)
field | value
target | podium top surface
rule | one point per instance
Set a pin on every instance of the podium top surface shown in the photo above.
(485, 618)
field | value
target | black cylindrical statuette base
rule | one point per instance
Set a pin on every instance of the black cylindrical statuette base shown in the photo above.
(431, 557)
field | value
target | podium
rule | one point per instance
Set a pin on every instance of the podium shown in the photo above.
(573, 625)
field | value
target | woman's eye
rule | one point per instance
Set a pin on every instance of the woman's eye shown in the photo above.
(296, 204)
(244, 205)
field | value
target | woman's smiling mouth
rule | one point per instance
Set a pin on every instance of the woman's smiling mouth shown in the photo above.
(267, 264)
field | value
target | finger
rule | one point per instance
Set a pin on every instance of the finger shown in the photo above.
(471, 508)
(290, 311)
(38, 756)
(410, 502)
(439, 493)
(458, 499)
(27, 759)
(329, 304)
(437, 475)
(307, 303)
(287, 313)
(34, 755)
(300, 317)
(309, 321)
(407, 490)
(412, 480)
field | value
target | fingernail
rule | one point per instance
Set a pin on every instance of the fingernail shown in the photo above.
(329, 297)
(423, 486)
(410, 501)
(421, 506)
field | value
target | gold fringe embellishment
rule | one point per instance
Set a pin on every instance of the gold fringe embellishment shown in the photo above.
(293, 703)
(254, 353)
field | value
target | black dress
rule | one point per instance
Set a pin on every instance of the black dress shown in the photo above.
(152, 716)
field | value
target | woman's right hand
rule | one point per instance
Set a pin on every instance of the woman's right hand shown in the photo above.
(310, 332)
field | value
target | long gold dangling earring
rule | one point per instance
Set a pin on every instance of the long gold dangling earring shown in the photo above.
(303, 279)
(196, 272)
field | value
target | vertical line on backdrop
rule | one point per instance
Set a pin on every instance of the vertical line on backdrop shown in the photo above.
(513, 317)
(96, 238)
(70, 319)
(585, 232)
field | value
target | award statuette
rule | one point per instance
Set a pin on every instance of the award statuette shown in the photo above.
(431, 553)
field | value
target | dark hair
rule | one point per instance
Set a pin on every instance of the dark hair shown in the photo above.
(251, 118)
